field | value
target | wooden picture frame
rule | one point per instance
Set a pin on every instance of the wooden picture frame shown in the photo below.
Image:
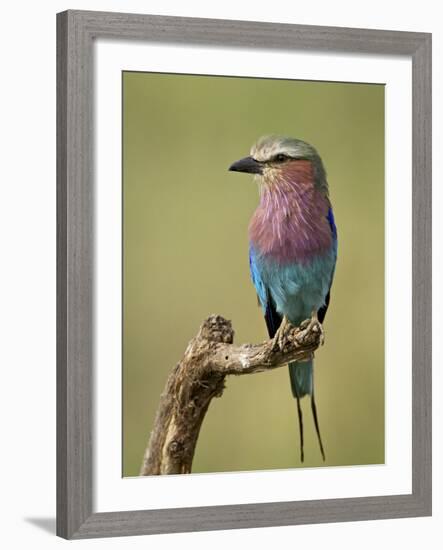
(76, 31)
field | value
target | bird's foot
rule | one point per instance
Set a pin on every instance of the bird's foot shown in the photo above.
(314, 325)
(280, 335)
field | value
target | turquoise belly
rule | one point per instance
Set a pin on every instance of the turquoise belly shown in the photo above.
(297, 289)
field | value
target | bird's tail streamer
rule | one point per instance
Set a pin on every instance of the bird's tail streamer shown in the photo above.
(302, 383)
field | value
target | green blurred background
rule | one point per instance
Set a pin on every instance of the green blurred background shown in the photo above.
(186, 256)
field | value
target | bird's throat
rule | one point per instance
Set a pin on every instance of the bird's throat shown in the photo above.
(290, 223)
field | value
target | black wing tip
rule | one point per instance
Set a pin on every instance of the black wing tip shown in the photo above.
(272, 317)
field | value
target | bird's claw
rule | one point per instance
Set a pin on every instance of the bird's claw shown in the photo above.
(309, 325)
(280, 335)
(314, 325)
(280, 340)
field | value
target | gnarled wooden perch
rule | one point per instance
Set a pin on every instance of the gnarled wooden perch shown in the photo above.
(200, 376)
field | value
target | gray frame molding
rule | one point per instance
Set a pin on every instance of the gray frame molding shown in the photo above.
(76, 31)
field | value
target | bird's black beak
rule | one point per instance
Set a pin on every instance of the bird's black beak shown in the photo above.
(248, 164)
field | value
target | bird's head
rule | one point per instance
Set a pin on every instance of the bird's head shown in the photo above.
(276, 160)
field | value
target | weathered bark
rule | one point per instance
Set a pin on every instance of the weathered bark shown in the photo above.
(200, 376)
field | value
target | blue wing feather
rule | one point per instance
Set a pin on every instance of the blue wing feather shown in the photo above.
(332, 225)
(272, 317)
(324, 308)
(257, 280)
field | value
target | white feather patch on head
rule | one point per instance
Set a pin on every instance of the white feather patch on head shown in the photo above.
(268, 147)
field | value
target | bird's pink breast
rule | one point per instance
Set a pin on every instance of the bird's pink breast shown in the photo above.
(290, 223)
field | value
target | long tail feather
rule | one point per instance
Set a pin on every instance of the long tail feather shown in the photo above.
(300, 427)
(302, 383)
(317, 427)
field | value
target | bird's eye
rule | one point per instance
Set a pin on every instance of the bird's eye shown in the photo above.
(280, 157)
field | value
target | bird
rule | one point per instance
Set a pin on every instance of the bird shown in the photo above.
(292, 247)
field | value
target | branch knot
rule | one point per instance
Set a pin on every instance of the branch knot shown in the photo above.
(217, 329)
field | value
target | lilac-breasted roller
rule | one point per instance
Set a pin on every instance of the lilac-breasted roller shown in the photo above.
(292, 245)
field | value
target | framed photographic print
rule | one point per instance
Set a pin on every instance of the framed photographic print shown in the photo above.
(219, 177)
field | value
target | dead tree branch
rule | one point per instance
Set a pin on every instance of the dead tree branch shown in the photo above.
(200, 376)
